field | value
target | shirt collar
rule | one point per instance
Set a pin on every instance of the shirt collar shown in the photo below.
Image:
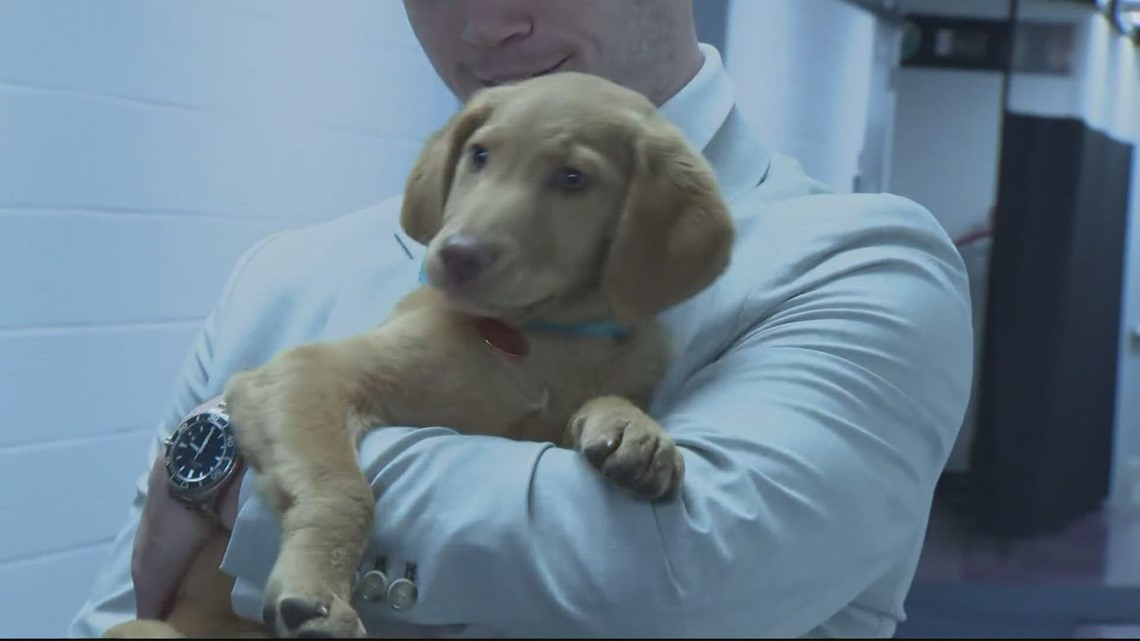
(705, 110)
(702, 105)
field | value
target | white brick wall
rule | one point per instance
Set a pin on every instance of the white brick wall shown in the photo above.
(144, 144)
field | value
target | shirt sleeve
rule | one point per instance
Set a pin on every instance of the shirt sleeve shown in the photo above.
(112, 597)
(812, 446)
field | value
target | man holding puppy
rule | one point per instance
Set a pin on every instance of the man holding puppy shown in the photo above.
(813, 429)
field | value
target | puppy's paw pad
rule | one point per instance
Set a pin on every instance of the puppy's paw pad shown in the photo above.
(296, 611)
(304, 617)
(663, 477)
(600, 449)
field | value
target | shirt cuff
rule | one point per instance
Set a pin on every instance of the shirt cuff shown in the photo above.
(256, 538)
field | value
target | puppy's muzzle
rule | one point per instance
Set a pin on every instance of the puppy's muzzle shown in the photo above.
(465, 259)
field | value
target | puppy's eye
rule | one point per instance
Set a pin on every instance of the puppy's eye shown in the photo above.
(478, 156)
(571, 179)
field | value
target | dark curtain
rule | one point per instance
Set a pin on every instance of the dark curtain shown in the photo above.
(1043, 447)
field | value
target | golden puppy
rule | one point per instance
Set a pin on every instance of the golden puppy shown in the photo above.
(547, 204)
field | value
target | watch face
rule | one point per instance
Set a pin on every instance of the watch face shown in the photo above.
(201, 452)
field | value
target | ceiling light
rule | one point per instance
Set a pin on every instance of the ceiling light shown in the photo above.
(1127, 16)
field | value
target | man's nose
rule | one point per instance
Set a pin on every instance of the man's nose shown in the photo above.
(465, 258)
(491, 23)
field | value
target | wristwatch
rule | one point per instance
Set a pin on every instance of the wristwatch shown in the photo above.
(202, 459)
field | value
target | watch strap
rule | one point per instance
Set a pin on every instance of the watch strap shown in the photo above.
(207, 508)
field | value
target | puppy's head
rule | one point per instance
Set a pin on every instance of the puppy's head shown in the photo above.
(563, 187)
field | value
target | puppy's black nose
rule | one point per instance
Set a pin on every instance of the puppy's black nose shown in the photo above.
(465, 259)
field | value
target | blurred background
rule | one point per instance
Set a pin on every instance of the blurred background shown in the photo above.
(144, 144)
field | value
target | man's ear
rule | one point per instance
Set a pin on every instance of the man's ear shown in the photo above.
(675, 234)
(429, 182)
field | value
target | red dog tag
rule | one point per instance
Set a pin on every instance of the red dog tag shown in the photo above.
(503, 337)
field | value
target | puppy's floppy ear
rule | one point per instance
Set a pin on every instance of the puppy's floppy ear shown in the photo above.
(429, 182)
(675, 235)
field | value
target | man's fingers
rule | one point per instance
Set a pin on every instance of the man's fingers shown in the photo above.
(167, 541)
(168, 538)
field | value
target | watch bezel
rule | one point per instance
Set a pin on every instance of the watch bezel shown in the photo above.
(189, 488)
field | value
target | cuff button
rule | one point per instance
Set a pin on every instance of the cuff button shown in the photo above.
(402, 594)
(373, 586)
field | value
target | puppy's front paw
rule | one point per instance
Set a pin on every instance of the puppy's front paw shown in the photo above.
(628, 447)
(309, 612)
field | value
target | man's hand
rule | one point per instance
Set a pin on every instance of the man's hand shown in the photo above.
(169, 536)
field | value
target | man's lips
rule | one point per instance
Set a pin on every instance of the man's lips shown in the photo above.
(492, 79)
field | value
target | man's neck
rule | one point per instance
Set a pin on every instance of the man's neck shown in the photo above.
(687, 66)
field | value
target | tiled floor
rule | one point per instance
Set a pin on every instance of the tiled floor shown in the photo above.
(1098, 549)
(1108, 632)
(1080, 582)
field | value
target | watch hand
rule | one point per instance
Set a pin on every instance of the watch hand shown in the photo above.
(198, 449)
(205, 442)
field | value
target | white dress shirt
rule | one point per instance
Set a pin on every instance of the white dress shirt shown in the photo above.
(819, 387)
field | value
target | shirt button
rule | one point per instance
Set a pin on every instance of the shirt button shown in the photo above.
(402, 594)
(373, 585)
